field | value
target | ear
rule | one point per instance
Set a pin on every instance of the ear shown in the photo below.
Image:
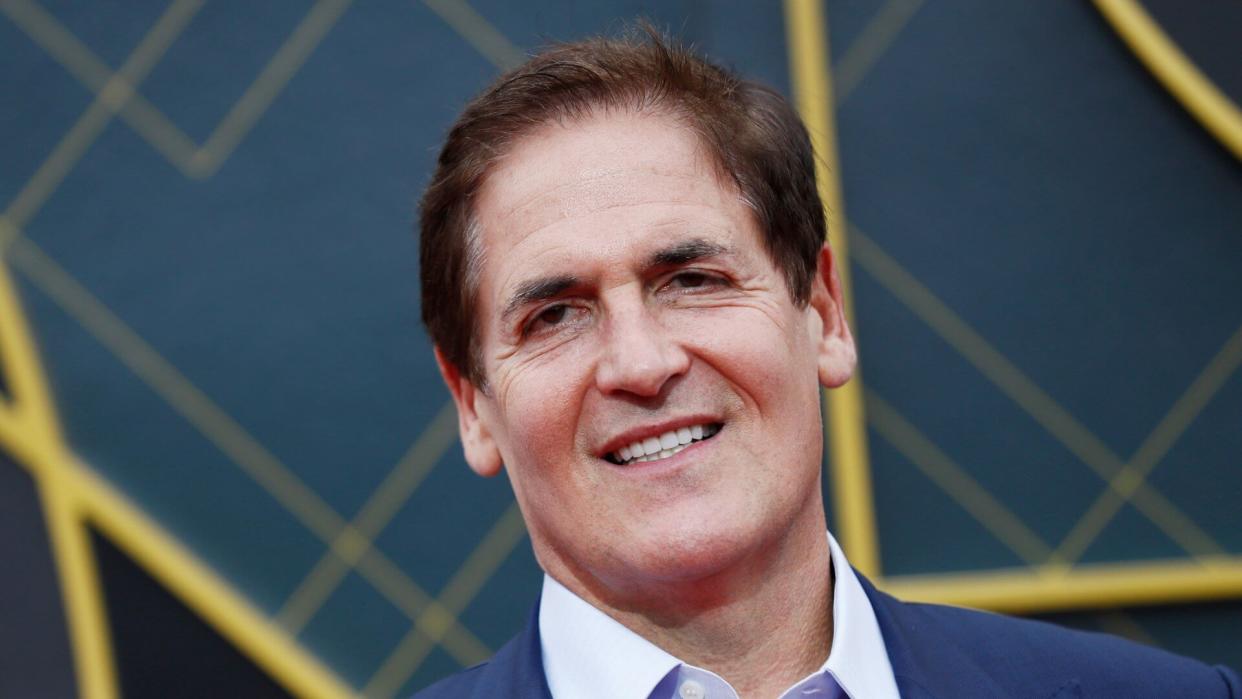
(481, 451)
(835, 343)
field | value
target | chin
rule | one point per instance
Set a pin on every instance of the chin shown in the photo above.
(691, 552)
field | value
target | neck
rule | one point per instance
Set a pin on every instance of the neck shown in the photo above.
(761, 625)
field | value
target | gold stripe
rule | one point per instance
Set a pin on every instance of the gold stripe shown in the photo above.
(806, 30)
(111, 99)
(458, 593)
(195, 406)
(148, 121)
(478, 32)
(191, 403)
(999, 520)
(1127, 481)
(37, 429)
(263, 91)
(28, 427)
(44, 29)
(117, 92)
(1212, 108)
(72, 493)
(873, 42)
(384, 502)
(460, 643)
(83, 596)
(1025, 591)
(1024, 392)
(205, 592)
(1119, 623)
(285, 487)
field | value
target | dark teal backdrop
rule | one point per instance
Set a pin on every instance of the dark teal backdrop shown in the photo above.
(220, 272)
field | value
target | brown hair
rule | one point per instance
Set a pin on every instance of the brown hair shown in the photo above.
(752, 133)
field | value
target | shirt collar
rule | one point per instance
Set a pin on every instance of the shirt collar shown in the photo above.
(859, 659)
(573, 635)
(587, 653)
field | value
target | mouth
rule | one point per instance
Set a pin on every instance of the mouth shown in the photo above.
(664, 445)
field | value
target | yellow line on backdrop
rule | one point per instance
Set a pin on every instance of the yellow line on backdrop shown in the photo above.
(478, 32)
(1095, 586)
(79, 579)
(46, 31)
(286, 62)
(147, 120)
(806, 30)
(801, 21)
(1205, 102)
(872, 43)
(108, 101)
(998, 519)
(118, 92)
(285, 486)
(28, 427)
(132, 350)
(1119, 623)
(1128, 480)
(1024, 392)
(37, 430)
(393, 492)
(458, 593)
(205, 592)
(72, 493)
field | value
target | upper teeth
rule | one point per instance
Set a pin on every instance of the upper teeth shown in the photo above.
(664, 446)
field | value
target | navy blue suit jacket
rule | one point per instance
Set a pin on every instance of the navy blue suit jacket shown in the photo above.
(942, 653)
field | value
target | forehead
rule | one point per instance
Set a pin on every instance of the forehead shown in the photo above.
(597, 185)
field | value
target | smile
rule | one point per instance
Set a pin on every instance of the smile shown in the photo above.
(663, 446)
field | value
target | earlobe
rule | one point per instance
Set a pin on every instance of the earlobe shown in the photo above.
(835, 343)
(480, 448)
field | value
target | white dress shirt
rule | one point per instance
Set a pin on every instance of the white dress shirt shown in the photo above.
(589, 655)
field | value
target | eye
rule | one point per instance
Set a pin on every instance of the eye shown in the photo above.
(693, 280)
(551, 315)
(550, 318)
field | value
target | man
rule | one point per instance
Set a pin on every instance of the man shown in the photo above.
(625, 276)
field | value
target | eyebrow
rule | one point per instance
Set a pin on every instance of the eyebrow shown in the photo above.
(544, 288)
(687, 251)
(537, 290)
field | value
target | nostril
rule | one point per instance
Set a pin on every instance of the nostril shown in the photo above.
(641, 368)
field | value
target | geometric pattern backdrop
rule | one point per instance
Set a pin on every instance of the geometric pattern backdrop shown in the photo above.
(228, 466)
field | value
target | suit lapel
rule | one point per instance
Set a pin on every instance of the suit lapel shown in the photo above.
(517, 669)
(927, 663)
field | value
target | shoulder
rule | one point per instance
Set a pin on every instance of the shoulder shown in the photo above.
(1022, 652)
(498, 677)
(516, 670)
(464, 684)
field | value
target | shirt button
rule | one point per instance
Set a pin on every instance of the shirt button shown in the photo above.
(691, 690)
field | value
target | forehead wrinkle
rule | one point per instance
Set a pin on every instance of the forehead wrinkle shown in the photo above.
(535, 214)
(600, 192)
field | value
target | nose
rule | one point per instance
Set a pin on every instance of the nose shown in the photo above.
(640, 355)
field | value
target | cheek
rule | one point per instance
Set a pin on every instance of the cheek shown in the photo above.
(763, 351)
(541, 407)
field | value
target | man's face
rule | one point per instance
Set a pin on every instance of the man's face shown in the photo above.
(625, 298)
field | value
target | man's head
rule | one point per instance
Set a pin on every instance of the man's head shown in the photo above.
(752, 135)
(632, 287)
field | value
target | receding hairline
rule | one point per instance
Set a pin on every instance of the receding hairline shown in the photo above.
(751, 133)
(704, 161)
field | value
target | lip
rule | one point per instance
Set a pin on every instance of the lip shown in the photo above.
(637, 434)
(668, 466)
